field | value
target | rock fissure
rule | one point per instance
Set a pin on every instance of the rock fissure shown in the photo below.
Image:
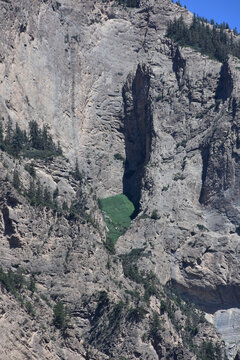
(205, 160)
(138, 132)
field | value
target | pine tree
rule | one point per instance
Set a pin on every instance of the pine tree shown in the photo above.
(60, 316)
(59, 149)
(46, 140)
(47, 198)
(31, 169)
(17, 141)
(16, 179)
(32, 285)
(35, 135)
(39, 194)
(9, 137)
(77, 175)
(2, 146)
(214, 42)
(31, 193)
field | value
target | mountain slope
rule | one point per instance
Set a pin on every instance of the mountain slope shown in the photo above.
(134, 114)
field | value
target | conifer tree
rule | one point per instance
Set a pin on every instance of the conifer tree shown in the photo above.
(77, 175)
(34, 134)
(2, 147)
(47, 198)
(39, 194)
(17, 140)
(214, 41)
(9, 137)
(16, 179)
(60, 316)
(31, 192)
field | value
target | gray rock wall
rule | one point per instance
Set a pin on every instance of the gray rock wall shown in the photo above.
(108, 82)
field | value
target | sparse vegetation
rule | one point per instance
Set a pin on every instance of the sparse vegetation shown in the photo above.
(30, 169)
(12, 281)
(155, 215)
(29, 308)
(202, 227)
(178, 3)
(77, 210)
(104, 332)
(179, 176)
(36, 143)
(183, 143)
(209, 351)
(155, 328)
(32, 285)
(119, 157)
(129, 3)
(137, 314)
(146, 278)
(76, 173)
(17, 284)
(39, 195)
(190, 329)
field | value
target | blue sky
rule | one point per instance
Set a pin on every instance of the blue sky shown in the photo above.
(219, 10)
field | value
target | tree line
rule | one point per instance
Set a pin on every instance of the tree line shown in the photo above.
(223, 25)
(208, 38)
(35, 143)
(129, 3)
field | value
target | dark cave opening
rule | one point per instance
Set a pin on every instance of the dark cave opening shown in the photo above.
(137, 132)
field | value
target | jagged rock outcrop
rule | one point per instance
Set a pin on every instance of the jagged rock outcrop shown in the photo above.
(141, 116)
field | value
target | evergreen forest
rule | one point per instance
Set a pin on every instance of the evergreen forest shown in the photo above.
(35, 143)
(216, 41)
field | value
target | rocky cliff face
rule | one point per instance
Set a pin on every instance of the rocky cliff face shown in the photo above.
(142, 117)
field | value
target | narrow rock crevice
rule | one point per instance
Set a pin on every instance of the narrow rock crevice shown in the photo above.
(205, 160)
(138, 130)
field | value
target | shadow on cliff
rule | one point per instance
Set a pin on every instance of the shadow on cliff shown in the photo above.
(218, 166)
(138, 131)
(209, 299)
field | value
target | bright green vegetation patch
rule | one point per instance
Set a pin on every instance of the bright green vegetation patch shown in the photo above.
(117, 210)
